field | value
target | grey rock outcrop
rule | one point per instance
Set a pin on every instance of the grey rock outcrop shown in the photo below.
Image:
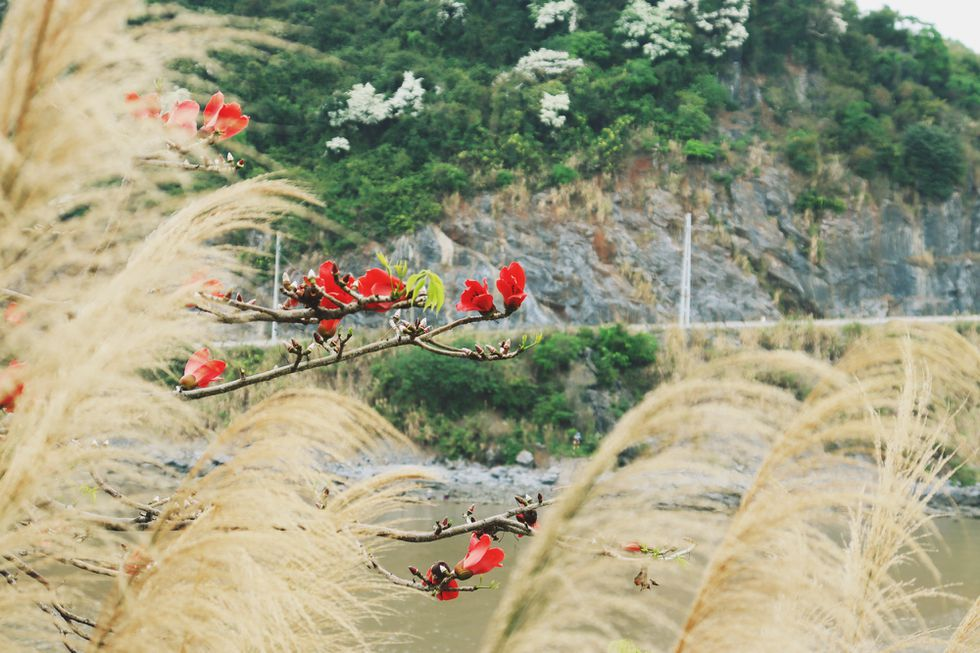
(754, 256)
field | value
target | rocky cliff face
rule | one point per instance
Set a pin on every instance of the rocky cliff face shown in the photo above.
(618, 258)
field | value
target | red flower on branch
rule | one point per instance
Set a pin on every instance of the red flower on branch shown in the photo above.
(381, 283)
(183, 115)
(633, 547)
(434, 578)
(331, 290)
(476, 297)
(480, 558)
(201, 370)
(222, 119)
(145, 106)
(328, 328)
(511, 286)
(10, 387)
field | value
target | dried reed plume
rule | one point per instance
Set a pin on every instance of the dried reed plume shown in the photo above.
(245, 556)
(807, 561)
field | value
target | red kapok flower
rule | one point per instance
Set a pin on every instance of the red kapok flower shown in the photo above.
(476, 297)
(201, 370)
(146, 106)
(435, 576)
(379, 282)
(328, 328)
(222, 119)
(136, 562)
(633, 547)
(183, 115)
(14, 314)
(480, 558)
(331, 290)
(511, 285)
(10, 387)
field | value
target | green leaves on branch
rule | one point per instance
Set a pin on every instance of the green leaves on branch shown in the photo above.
(435, 291)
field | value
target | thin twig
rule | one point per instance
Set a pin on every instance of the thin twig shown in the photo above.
(495, 523)
(116, 494)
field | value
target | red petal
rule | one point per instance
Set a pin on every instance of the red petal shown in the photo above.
(233, 128)
(197, 359)
(478, 547)
(448, 595)
(517, 272)
(184, 115)
(492, 559)
(209, 372)
(214, 106)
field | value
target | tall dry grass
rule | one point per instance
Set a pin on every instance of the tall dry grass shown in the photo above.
(240, 556)
(835, 465)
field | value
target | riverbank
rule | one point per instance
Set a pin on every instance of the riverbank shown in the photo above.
(462, 481)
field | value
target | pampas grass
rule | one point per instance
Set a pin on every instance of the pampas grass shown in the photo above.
(807, 562)
(247, 555)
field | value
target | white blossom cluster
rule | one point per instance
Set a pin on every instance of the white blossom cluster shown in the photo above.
(338, 144)
(836, 19)
(368, 107)
(727, 22)
(546, 63)
(555, 11)
(451, 10)
(657, 29)
(552, 107)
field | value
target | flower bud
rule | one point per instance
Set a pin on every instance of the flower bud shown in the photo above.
(462, 573)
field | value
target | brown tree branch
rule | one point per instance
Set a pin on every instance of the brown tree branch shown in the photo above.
(492, 524)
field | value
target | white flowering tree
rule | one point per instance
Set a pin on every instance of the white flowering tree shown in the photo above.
(725, 25)
(338, 144)
(553, 108)
(451, 10)
(544, 63)
(366, 106)
(667, 28)
(549, 12)
(656, 29)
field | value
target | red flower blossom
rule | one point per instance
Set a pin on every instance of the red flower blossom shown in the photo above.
(136, 562)
(222, 119)
(10, 387)
(480, 558)
(511, 286)
(14, 314)
(183, 115)
(201, 370)
(146, 106)
(379, 282)
(331, 290)
(633, 547)
(476, 297)
(435, 576)
(328, 328)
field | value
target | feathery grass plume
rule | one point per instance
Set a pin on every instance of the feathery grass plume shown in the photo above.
(967, 635)
(778, 574)
(107, 289)
(253, 555)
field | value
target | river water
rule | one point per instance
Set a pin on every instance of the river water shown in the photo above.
(431, 626)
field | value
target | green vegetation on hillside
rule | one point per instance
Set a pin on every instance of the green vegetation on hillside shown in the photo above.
(893, 99)
(538, 402)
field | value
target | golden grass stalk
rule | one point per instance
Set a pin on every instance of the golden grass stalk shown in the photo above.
(260, 566)
(242, 557)
(806, 562)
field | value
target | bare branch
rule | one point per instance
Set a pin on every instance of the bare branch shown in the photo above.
(493, 524)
